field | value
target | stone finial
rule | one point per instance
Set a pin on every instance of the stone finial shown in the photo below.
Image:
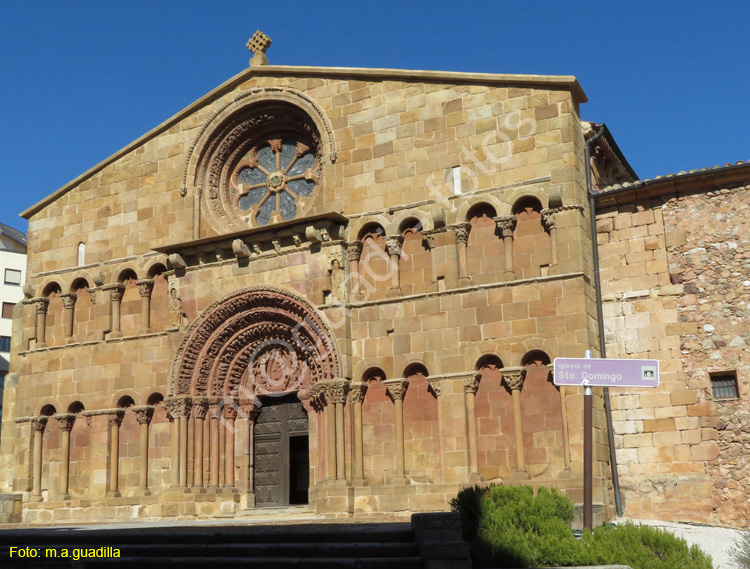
(65, 421)
(258, 44)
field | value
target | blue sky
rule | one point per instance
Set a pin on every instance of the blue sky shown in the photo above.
(82, 79)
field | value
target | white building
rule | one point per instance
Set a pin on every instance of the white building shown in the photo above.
(12, 277)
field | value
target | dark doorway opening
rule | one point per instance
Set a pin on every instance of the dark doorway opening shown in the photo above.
(282, 459)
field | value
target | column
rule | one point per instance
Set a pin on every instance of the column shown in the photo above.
(330, 412)
(393, 245)
(397, 389)
(437, 390)
(115, 298)
(200, 408)
(564, 411)
(69, 303)
(471, 384)
(39, 424)
(145, 286)
(143, 414)
(251, 411)
(337, 391)
(549, 218)
(42, 304)
(462, 231)
(115, 419)
(184, 416)
(507, 224)
(513, 378)
(429, 240)
(171, 406)
(358, 391)
(214, 464)
(354, 254)
(230, 414)
(65, 421)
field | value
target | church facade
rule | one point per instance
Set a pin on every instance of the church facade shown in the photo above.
(335, 287)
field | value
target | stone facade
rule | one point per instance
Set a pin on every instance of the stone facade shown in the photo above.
(425, 255)
(674, 266)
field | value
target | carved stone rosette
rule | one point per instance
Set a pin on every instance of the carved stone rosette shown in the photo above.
(69, 299)
(145, 287)
(144, 414)
(462, 231)
(396, 388)
(65, 421)
(506, 224)
(513, 377)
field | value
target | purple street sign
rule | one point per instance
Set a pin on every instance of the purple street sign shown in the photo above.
(606, 373)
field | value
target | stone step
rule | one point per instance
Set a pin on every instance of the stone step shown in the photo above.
(412, 562)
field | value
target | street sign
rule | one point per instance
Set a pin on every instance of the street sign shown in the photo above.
(606, 372)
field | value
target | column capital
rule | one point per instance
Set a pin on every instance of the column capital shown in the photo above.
(354, 250)
(65, 421)
(42, 303)
(393, 244)
(145, 286)
(549, 217)
(462, 231)
(69, 299)
(230, 412)
(358, 391)
(513, 377)
(144, 413)
(471, 382)
(115, 291)
(250, 408)
(506, 224)
(396, 387)
(39, 423)
(114, 417)
(178, 407)
(435, 386)
(335, 389)
(200, 407)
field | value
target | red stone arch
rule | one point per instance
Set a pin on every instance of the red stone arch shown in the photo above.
(255, 341)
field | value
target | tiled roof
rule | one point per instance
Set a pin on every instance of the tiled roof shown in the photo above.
(681, 174)
(13, 234)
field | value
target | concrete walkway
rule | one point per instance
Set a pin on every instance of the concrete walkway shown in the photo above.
(716, 541)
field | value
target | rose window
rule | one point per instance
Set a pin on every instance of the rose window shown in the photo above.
(275, 178)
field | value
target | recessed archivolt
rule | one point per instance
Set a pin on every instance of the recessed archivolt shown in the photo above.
(501, 208)
(259, 339)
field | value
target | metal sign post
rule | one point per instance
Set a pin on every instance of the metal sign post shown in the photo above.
(590, 372)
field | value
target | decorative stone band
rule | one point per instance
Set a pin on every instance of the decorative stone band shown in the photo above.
(27, 419)
(145, 286)
(393, 244)
(506, 224)
(354, 250)
(65, 421)
(396, 387)
(358, 391)
(513, 377)
(144, 413)
(69, 299)
(462, 231)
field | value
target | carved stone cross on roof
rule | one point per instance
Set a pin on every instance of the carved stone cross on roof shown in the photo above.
(258, 44)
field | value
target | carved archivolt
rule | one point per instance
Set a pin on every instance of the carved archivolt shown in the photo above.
(258, 340)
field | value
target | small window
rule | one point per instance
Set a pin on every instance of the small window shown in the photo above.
(4, 343)
(12, 277)
(8, 309)
(724, 385)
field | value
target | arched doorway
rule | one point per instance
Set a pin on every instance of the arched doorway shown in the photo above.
(256, 354)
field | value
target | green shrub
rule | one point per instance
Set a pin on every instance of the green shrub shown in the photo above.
(741, 552)
(508, 526)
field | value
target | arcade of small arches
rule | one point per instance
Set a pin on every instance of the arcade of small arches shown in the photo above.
(66, 317)
(408, 257)
(374, 431)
